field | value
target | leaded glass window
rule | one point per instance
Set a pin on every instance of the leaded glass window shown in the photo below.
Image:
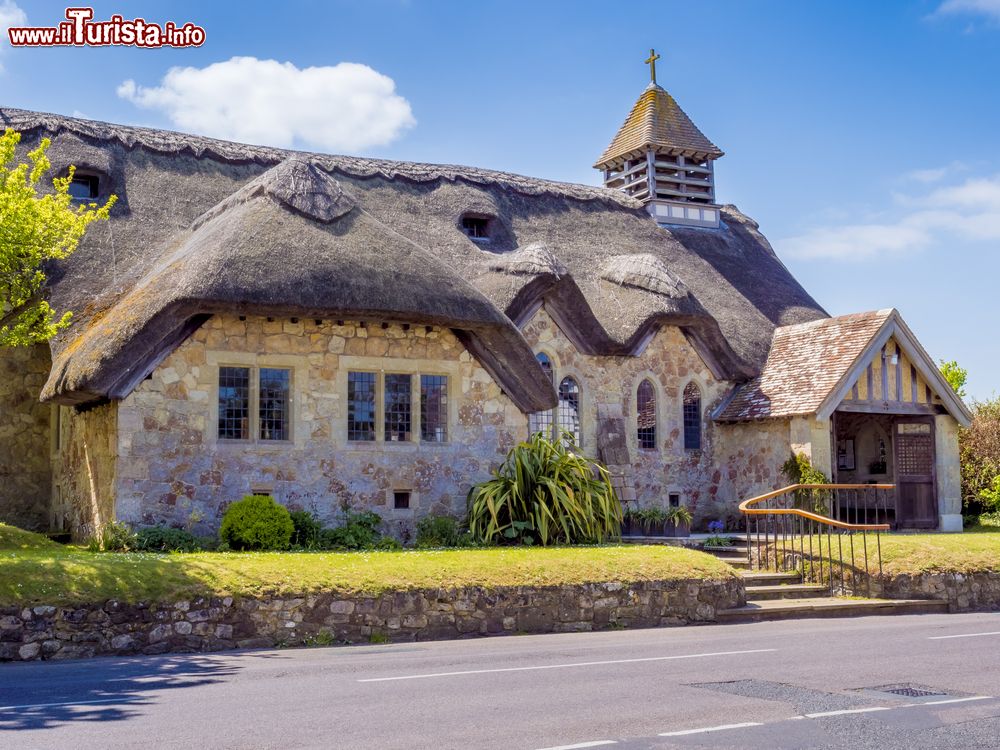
(361, 406)
(274, 401)
(541, 421)
(692, 418)
(397, 407)
(568, 418)
(234, 403)
(434, 408)
(646, 415)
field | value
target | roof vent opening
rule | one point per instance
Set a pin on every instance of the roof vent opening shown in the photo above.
(85, 187)
(477, 226)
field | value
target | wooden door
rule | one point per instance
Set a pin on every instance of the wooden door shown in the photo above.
(916, 488)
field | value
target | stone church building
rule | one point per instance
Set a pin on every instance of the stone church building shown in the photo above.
(347, 331)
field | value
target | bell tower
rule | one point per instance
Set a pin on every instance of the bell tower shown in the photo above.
(661, 158)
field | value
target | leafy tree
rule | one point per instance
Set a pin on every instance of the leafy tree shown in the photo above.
(955, 375)
(34, 229)
(979, 447)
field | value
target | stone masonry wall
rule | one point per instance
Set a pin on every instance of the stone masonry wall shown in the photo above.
(46, 632)
(735, 462)
(964, 592)
(84, 465)
(25, 482)
(174, 470)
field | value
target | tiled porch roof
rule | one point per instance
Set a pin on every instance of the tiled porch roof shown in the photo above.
(805, 364)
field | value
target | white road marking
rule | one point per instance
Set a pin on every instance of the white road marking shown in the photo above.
(595, 743)
(844, 712)
(564, 666)
(955, 700)
(963, 635)
(66, 703)
(720, 728)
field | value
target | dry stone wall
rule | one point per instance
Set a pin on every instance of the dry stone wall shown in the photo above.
(47, 632)
(964, 592)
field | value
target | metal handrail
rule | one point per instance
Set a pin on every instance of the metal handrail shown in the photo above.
(745, 506)
(788, 527)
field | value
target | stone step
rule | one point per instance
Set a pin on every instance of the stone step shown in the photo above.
(752, 578)
(827, 606)
(726, 550)
(736, 562)
(786, 591)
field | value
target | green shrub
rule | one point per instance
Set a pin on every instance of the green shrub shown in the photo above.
(307, 529)
(439, 531)
(799, 470)
(167, 539)
(360, 530)
(114, 536)
(388, 544)
(544, 492)
(257, 522)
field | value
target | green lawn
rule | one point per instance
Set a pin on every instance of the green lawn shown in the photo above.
(976, 549)
(35, 570)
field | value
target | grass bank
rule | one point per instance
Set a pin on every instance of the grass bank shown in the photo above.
(977, 549)
(35, 570)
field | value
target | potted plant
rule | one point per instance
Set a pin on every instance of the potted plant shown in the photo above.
(631, 524)
(679, 522)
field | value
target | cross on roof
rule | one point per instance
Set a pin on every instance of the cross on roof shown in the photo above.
(651, 62)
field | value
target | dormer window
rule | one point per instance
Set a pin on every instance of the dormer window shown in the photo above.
(476, 227)
(84, 187)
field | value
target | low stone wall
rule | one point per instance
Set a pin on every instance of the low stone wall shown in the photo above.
(964, 592)
(115, 628)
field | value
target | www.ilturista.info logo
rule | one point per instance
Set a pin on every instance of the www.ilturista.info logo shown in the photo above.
(79, 30)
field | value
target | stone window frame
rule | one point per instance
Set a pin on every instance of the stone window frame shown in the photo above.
(702, 411)
(391, 511)
(383, 366)
(253, 361)
(661, 411)
(549, 415)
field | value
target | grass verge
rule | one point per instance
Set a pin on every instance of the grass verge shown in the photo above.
(975, 550)
(35, 570)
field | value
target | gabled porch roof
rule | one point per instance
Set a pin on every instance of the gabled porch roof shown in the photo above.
(812, 367)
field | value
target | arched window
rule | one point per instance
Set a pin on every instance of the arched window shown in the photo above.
(692, 418)
(541, 421)
(568, 417)
(645, 406)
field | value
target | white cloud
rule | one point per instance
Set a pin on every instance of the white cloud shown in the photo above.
(988, 8)
(969, 211)
(344, 107)
(10, 15)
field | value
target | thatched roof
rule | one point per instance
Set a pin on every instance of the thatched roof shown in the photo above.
(657, 121)
(204, 226)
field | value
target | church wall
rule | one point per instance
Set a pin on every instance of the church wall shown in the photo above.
(84, 464)
(24, 438)
(174, 470)
(735, 462)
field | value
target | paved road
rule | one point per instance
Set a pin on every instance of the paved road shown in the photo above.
(805, 684)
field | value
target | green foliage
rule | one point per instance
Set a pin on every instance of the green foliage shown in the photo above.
(680, 516)
(799, 470)
(718, 541)
(257, 522)
(388, 544)
(545, 493)
(955, 375)
(115, 536)
(440, 531)
(307, 529)
(360, 530)
(979, 450)
(989, 497)
(167, 539)
(34, 229)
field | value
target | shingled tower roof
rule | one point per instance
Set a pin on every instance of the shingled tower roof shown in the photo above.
(657, 121)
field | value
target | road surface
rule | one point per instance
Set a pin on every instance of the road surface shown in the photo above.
(793, 684)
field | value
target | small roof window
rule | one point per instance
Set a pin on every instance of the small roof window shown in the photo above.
(84, 187)
(476, 227)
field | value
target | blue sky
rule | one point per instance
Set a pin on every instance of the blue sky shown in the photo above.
(864, 137)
